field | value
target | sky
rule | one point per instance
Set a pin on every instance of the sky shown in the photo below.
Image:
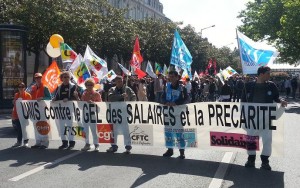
(204, 13)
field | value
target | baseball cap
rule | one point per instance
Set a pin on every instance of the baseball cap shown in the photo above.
(37, 75)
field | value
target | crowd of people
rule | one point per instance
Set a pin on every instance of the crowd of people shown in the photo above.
(171, 90)
(205, 89)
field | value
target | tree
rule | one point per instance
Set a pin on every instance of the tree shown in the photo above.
(73, 19)
(156, 38)
(105, 29)
(277, 21)
(198, 47)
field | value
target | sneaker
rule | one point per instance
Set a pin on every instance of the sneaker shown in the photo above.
(97, 149)
(26, 145)
(35, 146)
(86, 147)
(111, 150)
(63, 147)
(168, 153)
(265, 166)
(18, 144)
(250, 164)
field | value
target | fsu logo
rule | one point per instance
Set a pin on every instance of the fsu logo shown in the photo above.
(43, 127)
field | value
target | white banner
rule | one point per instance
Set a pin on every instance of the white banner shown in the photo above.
(214, 126)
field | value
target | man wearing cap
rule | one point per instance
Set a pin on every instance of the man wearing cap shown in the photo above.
(40, 92)
(262, 91)
(120, 93)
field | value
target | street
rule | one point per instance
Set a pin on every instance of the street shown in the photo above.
(145, 166)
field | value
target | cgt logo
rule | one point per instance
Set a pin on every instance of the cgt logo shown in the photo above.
(105, 133)
(42, 127)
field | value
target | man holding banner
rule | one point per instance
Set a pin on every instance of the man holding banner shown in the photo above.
(262, 91)
(119, 93)
(40, 92)
(66, 92)
(174, 94)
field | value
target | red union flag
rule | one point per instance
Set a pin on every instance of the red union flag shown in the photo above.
(215, 66)
(140, 73)
(210, 64)
(136, 58)
(105, 133)
(51, 77)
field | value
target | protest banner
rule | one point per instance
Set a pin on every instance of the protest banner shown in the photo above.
(213, 126)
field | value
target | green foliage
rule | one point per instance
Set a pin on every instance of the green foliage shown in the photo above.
(104, 28)
(278, 21)
(156, 39)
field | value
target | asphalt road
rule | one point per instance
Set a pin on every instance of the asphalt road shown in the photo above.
(145, 167)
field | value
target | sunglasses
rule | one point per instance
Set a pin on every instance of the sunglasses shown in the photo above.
(66, 77)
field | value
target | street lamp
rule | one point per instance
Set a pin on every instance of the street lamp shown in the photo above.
(205, 28)
(228, 44)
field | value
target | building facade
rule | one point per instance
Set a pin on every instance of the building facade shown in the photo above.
(140, 9)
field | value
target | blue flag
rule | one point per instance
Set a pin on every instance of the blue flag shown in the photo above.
(254, 54)
(181, 56)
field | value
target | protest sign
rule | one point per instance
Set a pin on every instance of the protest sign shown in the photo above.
(215, 126)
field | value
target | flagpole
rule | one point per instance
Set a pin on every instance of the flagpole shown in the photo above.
(244, 92)
(127, 78)
(237, 38)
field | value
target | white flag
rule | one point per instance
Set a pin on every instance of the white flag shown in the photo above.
(228, 72)
(126, 71)
(220, 76)
(195, 75)
(110, 76)
(79, 70)
(95, 63)
(165, 71)
(149, 70)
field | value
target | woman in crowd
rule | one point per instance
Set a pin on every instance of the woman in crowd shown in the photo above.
(90, 96)
(142, 91)
(20, 95)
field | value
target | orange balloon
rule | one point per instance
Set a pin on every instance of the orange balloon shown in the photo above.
(55, 40)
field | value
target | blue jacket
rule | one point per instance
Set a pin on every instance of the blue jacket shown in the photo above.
(177, 94)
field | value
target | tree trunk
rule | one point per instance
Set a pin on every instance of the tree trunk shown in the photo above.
(36, 62)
